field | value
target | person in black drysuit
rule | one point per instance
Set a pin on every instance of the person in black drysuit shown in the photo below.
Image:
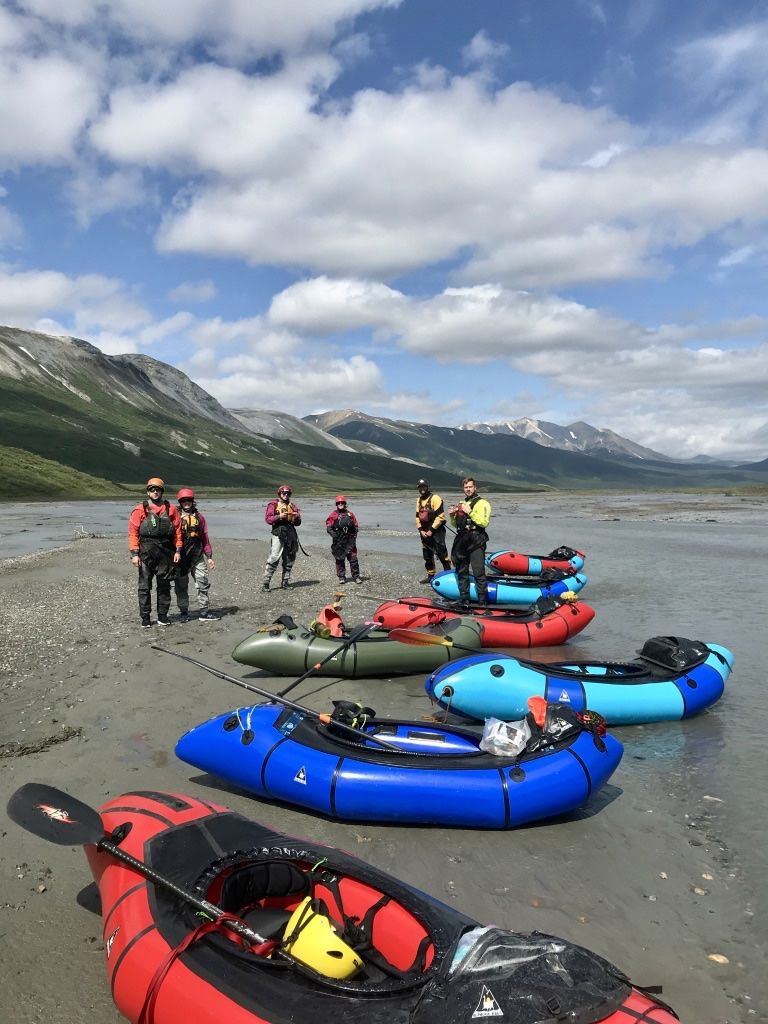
(342, 527)
(155, 543)
(470, 518)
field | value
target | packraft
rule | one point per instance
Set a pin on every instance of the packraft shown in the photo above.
(323, 912)
(547, 622)
(512, 563)
(436, 775)
(291, 651)
(672, 678)
(519, 591)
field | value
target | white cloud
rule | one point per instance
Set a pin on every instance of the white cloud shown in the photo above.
(325, 305)
(44, 104)
(11, 228)
(473, 324)
(482, 50)
(217, 119)
(294, 383)
(723, 75)
(94, 193)
(234, 29)
(93, 302)
(194, 291)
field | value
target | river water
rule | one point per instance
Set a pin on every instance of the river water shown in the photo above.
(686, 565)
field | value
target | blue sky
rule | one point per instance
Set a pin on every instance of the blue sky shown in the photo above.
(437, 210)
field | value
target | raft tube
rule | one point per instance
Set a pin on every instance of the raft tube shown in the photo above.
(548, 622)
(626, 693)
(424, 962)
(439, 776)
(512, 563)
(510, 590)
(289, 652)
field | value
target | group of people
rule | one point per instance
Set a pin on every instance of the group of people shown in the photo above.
(169, 543)
(469, 518)
(283, 516)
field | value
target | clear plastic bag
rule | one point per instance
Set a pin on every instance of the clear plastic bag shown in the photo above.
(505, 739)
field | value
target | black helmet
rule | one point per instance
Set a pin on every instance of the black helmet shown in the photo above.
(423, 483)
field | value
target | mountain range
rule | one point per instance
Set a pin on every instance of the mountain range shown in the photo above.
(75, 422)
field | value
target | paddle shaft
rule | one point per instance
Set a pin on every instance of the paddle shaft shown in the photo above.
(210, 909)
(357, 635)
(324, 719)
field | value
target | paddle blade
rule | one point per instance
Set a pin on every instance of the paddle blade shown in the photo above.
(54, 815)
(415, 636)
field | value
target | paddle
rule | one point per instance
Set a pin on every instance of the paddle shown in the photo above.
(322, 718)
(415, 636)
(51, 814)
(356, 635)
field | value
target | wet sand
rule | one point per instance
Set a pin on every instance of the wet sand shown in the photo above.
(87, 705)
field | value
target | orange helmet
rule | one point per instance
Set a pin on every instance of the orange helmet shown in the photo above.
(155, 481)
(340, 499)
(185, 492)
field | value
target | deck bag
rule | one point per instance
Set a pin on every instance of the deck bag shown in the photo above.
(674, 652)
(504, 739)
(563, 552)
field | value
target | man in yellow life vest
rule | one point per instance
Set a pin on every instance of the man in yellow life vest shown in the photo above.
(470, 517)
(430, 522)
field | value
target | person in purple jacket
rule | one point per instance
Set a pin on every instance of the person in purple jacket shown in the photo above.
(196, 558)
(283, 516)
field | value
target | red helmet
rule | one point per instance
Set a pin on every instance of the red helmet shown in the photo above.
(185, 492)
(340, 499)
(285, 487)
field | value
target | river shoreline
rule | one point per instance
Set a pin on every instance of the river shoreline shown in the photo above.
(89, 706)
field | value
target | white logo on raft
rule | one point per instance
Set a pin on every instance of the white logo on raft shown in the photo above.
(110, 940)
(564, 696)
(301, 776)
(487, 1007)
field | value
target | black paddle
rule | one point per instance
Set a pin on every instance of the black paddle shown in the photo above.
(358, 634)
(60, 818)
(322, 718)
(419, 639)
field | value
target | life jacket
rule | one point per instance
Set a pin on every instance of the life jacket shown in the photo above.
(190, 525)
(344, 523)
(463, 522)
(157, 529)
(426, 513)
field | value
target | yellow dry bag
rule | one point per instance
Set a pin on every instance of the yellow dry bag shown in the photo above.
(310, 938)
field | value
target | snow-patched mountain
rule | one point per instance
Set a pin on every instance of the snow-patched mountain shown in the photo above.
(271, 423)
(575, 437)
(78, 367)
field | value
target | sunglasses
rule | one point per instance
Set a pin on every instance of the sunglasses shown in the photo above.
(285, 494)
(158, 489)
(340, 504)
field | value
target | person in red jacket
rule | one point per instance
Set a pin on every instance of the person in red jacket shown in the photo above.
(155, 543)
(283, 516)
(196, 558)
(342, 526)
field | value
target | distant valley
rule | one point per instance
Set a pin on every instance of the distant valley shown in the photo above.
(75, 422)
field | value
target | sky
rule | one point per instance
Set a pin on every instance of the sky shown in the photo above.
(432, 210)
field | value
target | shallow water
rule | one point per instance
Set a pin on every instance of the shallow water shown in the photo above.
(667, 564)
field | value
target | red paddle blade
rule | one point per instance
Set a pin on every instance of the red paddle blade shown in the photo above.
(51, 814)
